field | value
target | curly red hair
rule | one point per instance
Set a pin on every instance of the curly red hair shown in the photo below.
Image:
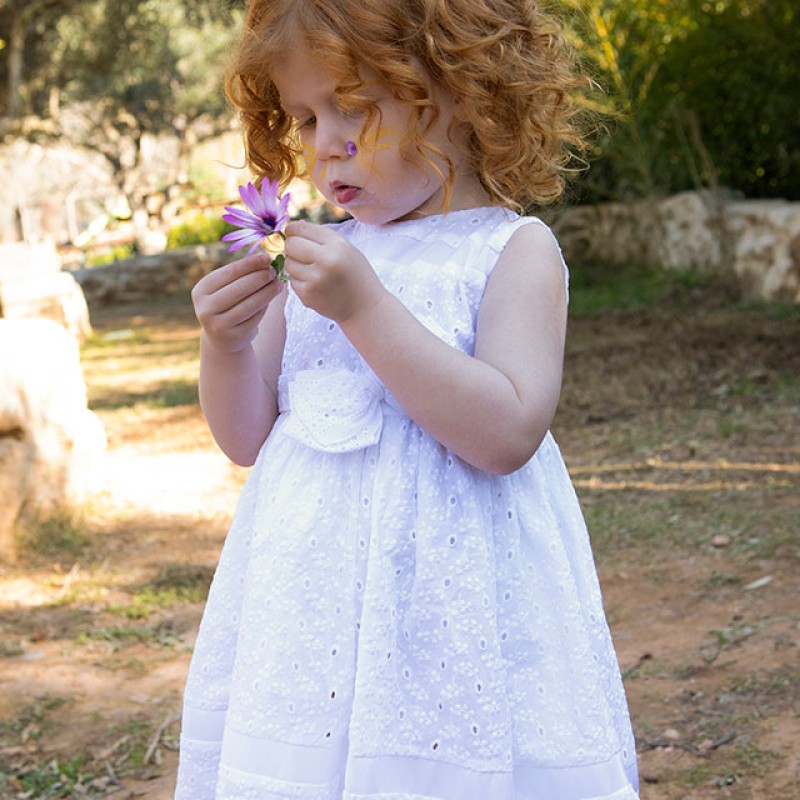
(505, 61)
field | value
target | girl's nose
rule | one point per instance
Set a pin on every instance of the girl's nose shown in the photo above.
(330, 142)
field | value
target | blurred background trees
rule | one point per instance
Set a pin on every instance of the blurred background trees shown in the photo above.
(697, 93)
(105, 76)
(694, 93)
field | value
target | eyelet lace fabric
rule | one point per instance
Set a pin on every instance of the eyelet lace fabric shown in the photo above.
(387, 622)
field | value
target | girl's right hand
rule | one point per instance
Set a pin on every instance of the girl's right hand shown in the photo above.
(230, 301)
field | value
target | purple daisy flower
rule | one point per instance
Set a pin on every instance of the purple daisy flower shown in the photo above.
(267, 214)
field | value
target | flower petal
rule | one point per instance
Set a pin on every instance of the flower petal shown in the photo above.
(245, 239)
(241, 235)
(251, 197)
(266, 213)
(244, 243)
(239, 217)
(269, 194)
(282, 213)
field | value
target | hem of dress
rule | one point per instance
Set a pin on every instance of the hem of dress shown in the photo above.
(252, 764)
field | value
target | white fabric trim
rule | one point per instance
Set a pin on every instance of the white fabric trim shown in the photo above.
(374, 778)
(284, 762)
(370, 777)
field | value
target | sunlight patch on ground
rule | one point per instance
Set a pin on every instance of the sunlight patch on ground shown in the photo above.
(146, 379)
(688, 466)
(23, 593)
(188, 483)
(702, 486)
(759, 476)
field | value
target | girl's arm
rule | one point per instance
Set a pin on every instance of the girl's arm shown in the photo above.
(493, 409)
(240, 308)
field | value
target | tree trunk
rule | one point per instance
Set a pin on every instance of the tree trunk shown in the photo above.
(16, 49)
(187, 139)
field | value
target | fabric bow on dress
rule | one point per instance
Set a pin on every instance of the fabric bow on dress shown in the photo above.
(334, 410)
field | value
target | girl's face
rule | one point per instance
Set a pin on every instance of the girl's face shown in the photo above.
(376, 185)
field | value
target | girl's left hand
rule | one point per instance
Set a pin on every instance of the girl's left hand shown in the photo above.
(329, 274)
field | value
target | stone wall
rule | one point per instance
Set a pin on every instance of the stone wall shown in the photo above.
(149, 277)
(756, 242)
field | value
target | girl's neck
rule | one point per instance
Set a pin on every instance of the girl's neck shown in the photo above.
(467, 193)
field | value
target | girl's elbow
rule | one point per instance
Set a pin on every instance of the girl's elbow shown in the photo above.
(245, 460)
(508, 463)
(243, 454)
(514, 455)
(521, 431)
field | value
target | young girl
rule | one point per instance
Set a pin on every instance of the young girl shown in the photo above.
(406, 607)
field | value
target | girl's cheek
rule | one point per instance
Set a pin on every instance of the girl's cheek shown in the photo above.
(316, 169)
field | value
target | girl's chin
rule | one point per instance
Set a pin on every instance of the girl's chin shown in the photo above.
(369, 210)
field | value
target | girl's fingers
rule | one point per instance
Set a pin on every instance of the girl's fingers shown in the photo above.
(223, 276)
(252, 306)
(317, 234)
(302, 249)
(238, 291)
(306, 230)
(241, 289)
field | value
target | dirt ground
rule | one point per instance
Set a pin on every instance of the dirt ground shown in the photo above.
(679, 423)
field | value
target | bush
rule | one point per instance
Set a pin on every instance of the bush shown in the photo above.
(700, 93)
(199, 229)
(118, 252)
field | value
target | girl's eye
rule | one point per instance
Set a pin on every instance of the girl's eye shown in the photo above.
(352, 113)
(309, 122)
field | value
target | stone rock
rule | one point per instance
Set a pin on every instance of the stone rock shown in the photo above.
(691, 234)
(794, 252)
(149, 277)
(33, 285)
(762, 233)
(51, 445)
(754, 242)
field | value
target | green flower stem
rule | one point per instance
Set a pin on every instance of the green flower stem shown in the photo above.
(277, 265)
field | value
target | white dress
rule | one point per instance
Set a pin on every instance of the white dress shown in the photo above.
(386, 621)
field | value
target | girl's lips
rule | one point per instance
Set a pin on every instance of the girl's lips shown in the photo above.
(344, 194)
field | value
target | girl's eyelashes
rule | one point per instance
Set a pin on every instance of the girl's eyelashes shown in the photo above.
(352, 113)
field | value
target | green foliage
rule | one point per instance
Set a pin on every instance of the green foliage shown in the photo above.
(731, 82)
(149, 61)
(60, 536)
(199, 229)
(56, 779)
(175, 394)
(599, 288)
(173, 586)
(111, 77)
(117, 637)
(697, 94)
(119, 252)
(29, 721)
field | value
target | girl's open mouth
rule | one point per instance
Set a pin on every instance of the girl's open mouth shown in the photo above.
(344, 194)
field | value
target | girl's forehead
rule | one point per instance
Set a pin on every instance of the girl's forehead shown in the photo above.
(301, 74)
